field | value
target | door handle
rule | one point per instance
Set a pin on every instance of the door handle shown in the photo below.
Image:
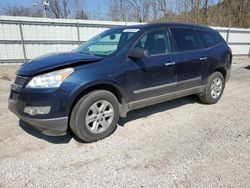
(203, 58)
(170, 63)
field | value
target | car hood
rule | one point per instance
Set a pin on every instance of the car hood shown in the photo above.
(55, 61)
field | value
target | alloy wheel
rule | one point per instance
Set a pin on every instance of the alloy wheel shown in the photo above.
(99, 116)
(216, 88)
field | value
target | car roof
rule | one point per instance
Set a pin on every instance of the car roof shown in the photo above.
(158, 25)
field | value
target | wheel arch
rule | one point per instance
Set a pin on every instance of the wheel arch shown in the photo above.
(102, 86)
(222, 70)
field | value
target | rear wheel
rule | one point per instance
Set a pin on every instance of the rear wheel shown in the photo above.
(95, 116)
(214, 89)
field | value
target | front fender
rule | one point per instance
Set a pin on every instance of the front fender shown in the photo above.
(85, 88)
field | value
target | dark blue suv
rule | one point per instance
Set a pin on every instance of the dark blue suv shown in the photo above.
(120, 70)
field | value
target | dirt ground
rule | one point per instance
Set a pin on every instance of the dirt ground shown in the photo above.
(180, 143)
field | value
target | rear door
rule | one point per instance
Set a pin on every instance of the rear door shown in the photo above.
(192, 58)
(216, 48)
(156, 75)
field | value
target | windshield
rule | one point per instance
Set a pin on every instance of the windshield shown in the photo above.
(107, 43)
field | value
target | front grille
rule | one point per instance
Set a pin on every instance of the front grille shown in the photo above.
(20, 80)
(16, 87)
(14, 95)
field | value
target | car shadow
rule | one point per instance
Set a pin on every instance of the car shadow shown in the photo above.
(133, 115)
(247, 67)
(147, 111)
(52, 139)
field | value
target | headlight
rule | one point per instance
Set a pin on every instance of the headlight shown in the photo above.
(50, 80)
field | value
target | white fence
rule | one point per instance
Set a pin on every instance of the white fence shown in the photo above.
(25, 38)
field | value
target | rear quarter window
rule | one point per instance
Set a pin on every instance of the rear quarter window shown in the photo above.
(208, 38)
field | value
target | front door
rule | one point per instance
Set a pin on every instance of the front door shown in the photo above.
(155, 76)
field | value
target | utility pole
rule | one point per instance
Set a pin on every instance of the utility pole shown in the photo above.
(205, 14)
(45, 7)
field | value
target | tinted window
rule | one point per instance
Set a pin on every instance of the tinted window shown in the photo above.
(156, 42)
(185, 39)
(208, 38)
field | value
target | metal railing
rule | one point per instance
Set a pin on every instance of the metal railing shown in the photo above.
(23, 38)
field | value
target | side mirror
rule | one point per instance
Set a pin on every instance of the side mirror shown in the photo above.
(139, 53)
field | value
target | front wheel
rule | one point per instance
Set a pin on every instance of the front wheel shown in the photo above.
(95, 116)
(214, 89)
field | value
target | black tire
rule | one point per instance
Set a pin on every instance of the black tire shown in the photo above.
(206, 96)
(73, 114)
(78, 116)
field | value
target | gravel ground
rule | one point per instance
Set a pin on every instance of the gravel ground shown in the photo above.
(181, 143)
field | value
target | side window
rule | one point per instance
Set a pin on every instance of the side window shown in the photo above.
(156, 42)
(186, 39)
(209, 39)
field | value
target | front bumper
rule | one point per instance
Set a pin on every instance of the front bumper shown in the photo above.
(50, 127)
(54, 123)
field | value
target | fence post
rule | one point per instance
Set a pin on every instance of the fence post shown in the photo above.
(228, 33)
(23, 45)
(78, 33)
(249, 52)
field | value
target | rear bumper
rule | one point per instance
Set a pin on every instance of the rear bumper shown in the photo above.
(50, 127)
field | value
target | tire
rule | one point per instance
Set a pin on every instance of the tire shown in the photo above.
(213, 90)
(95, 116)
